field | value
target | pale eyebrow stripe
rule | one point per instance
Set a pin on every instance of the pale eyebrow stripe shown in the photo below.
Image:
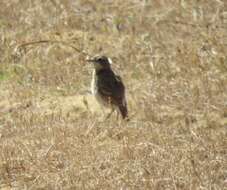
(110, 60)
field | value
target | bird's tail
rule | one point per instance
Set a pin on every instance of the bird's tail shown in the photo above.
(124, 111)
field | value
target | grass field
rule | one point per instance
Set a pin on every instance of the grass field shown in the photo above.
(172, 56)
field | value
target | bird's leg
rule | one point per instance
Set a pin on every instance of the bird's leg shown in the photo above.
(109, 114)
(112, 109)
(117, 115)
(103, 113)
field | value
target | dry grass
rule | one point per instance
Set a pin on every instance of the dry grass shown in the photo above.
(172, 57)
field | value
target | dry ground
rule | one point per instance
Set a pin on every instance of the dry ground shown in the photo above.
(171, 55)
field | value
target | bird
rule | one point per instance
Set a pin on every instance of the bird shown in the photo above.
(107, 87)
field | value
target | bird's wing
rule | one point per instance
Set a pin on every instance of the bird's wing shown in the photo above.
(111, 88)
(110, 85)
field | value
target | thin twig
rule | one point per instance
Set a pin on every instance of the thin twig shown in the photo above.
(52, 41)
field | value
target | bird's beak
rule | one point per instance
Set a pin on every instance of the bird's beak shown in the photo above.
(89, 59)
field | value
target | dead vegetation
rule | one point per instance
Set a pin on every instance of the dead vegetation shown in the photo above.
(172, 57)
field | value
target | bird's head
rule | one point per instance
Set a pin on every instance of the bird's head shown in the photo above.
(100, 62)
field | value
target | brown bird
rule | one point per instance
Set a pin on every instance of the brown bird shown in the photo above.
(108, 87)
